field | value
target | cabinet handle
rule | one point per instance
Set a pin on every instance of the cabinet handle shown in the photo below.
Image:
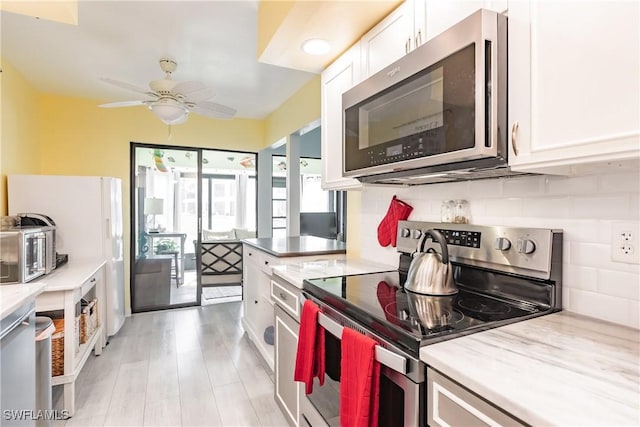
(407, 45)
(418, 40)
(255, 301)
(514, 137)
(250, 253)
(266, 263)
(283, 297)
(93, 280)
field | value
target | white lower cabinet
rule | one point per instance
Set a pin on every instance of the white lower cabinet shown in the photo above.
(287, 391)
(257, 318)
(451, 405)
(287, 299)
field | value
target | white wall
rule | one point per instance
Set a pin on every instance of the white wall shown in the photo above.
(584, 207)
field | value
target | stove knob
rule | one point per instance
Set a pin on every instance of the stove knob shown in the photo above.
(503, 244)
(405, 232)
(416, 234)
(526, 246)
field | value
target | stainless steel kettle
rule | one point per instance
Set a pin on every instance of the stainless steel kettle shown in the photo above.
(430, 273)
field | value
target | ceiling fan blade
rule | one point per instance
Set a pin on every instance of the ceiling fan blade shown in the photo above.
(123, 104)
(193, 91)
(211, 109)
(128, 86)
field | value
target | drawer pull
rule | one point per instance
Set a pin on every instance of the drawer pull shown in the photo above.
(93, 280)
(266, 263)
(283, 297)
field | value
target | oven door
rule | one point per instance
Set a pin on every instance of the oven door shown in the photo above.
(440, 104)
(401, 400)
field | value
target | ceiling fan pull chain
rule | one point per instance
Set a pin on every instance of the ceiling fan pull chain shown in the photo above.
(169, 134)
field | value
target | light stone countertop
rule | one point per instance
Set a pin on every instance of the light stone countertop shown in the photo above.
(71, 275)
(14, 296)
(559, 369)
(66, 277)
(296, 272)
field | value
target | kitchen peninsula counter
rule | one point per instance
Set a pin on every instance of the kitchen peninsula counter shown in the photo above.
(297, 246)
(296, 272)
(559, 369)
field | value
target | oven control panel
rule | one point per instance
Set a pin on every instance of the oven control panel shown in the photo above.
(512, 249)
(470, 239)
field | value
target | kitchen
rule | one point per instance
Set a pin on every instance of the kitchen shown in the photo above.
(584, 206)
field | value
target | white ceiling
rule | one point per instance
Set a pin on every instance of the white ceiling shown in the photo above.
(213, 42)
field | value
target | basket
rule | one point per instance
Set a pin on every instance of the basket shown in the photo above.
(88, 319)
(57, 346)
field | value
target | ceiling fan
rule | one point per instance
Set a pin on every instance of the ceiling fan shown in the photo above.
(172, 101)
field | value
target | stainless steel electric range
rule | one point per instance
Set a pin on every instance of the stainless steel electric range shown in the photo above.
(504, 275)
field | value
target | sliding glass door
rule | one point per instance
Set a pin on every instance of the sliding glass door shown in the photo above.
(165, 212)
(190, 208)
(228, 215)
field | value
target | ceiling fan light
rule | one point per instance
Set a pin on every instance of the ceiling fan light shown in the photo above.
(169, 113)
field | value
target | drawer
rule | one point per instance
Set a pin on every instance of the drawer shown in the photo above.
(250, 254)
(286, 298)
(267, 262)
(450, 404)
(263, 260)
(90, 282)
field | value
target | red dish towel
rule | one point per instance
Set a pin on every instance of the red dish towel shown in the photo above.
(310, 360)
(360, 381)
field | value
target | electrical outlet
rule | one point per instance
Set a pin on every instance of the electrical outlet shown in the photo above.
(624, 242)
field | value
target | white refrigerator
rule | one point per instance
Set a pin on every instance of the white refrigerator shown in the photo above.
(87, 211)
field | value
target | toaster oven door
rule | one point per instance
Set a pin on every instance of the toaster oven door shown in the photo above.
(34, 251)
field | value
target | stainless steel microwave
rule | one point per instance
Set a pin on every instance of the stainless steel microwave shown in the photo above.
(437, 114)
(26, 253)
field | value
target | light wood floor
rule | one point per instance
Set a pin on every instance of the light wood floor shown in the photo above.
(188, 367)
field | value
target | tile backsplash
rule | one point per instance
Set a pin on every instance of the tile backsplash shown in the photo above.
(583, 207)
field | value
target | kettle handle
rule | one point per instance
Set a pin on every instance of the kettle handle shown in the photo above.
(436, 236)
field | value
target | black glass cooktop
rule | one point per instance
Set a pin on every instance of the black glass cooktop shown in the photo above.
(410, 320)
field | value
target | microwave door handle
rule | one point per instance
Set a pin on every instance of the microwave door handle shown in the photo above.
(385, 357)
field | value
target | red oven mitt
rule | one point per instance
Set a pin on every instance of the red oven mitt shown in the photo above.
(398, 211)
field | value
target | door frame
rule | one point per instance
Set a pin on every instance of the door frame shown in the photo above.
(133, 221)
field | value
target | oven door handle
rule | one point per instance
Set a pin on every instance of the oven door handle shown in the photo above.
(385, 357)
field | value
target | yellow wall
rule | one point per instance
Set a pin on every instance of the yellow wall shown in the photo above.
(19, 133)
(59, 135)
(296, 112)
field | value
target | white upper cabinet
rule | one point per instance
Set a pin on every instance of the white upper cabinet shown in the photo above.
(336, 79)
(442, 14)
(389, 40)
(396, 35)
(573, 85)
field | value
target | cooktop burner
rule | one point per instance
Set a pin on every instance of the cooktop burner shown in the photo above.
(484, 306)
(379, 302)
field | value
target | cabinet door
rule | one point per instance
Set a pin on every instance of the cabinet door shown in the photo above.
(442, 14)
(573, 84)
(336, 79)
(388, 41)
(449, 404)
(251, 281)
(287, 391)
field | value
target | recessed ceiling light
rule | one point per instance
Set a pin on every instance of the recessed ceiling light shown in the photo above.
(316, 46)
